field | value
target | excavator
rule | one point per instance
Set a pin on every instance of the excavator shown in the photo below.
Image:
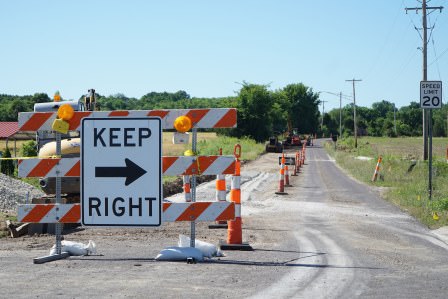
(292, 136)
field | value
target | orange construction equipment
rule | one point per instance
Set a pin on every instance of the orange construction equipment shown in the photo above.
(281, 184)
(377, 169)
(235, 230)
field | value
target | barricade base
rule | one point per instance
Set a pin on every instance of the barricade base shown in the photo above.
(289, 185)
(281, 193)
(50, 258)
(223, 245)
(218, 226)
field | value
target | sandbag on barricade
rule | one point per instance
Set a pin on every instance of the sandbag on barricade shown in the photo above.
(207, 249)
(75, 248)
(184, 251)
(180, 254)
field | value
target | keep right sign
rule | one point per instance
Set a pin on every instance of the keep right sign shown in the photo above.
(430, 94)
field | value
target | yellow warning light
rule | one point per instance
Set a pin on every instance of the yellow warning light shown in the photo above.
(182, 124)
(66, 112)
(57, 97)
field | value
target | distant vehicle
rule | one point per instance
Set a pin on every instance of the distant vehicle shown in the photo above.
(274, 146)
(292, 138)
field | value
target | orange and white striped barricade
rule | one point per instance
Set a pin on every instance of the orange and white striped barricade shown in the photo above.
(172, 212)
(377, 169)
(281, 183)
(171, 165)
(201, 118)
(235, 230)
(63, 167)
(220, 195)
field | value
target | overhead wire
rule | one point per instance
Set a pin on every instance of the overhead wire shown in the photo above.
(381, 50)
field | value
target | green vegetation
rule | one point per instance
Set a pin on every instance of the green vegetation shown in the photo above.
(7, 165)
(379, 120)
(403, 176)
(29, 149)
(261, 112)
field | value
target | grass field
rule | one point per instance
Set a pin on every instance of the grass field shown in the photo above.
(406, 185)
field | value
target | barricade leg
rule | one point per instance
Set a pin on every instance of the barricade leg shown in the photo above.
(235, 230)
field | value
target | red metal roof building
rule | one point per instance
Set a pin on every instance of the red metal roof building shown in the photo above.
(8, 129)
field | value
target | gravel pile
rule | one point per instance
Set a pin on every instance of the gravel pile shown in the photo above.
(13, 192)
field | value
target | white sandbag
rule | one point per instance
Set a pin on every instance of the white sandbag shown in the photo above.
(207, 249)
(75, 248)
(179, 254)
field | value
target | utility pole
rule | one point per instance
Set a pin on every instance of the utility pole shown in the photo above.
(395, 122)
(323, 112)
(354, 110)
(424, 10)
(340, 114)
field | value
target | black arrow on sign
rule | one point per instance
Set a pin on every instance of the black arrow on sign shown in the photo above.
(131, 171)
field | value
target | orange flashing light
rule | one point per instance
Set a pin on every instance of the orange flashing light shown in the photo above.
(66, 112)
(182, 124)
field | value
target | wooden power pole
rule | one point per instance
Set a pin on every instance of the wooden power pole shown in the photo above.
(424, 10)
(354, 110)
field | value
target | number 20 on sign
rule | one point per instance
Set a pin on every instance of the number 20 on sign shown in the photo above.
(430, 94)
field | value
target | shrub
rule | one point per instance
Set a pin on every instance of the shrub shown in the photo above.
(7, 165)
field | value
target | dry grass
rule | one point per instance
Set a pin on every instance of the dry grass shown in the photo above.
(19, 144)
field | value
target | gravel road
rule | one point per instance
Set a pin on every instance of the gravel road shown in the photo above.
(330, 237)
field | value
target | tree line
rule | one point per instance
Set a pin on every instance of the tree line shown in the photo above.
(263, 112)
(383, 119)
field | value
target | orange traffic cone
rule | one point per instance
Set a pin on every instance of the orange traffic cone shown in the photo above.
(235, 230)
(281, 184)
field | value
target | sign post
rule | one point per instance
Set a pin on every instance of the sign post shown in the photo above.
(430, 98)
(121, 171)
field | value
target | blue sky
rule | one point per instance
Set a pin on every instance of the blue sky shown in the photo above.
(208, 47)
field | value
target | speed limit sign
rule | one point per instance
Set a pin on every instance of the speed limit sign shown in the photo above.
(431, 94)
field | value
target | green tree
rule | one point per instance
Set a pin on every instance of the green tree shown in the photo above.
(302, 107)
(7, 166)
(254, 112)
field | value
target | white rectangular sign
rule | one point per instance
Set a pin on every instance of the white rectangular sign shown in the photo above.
(121, 171)
(430, 94)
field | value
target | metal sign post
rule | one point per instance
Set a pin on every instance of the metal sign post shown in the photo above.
(193, 187)
(430, 98)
